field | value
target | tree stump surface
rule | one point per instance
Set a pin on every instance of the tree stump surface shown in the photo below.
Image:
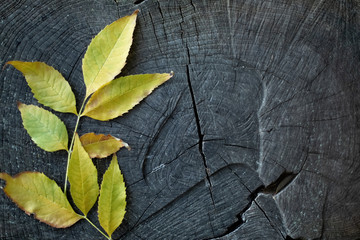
(255, 137)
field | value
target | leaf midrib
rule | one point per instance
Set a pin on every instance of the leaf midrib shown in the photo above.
(121, 96)
(107, 57)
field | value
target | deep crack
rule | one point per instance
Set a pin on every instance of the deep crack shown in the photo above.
(196, 114)
(240, 220)
(138, 2)
(279, 184)
(270, 222)
(200, 134)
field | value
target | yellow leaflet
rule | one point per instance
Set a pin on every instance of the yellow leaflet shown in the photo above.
(121, 95)
(84, 187)
(112, 200)
(100, 145)
(36, 194)
(48, 85)
(44, 128)
(107, 53)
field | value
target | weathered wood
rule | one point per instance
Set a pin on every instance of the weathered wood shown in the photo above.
(255, 137)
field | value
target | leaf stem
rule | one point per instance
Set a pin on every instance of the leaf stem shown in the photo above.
(68, 160)
(72, 144)
(97, 228)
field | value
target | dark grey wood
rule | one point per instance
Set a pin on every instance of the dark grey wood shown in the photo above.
(261, 221)
(255, 137)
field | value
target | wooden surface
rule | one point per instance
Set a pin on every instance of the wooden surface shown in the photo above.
(255, 137)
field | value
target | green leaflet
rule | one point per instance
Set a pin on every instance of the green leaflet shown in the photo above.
(84, 187)
(44, 128)
(36, 194)
(122, 94)
(48, 85)
(107, 53)
(112, 200)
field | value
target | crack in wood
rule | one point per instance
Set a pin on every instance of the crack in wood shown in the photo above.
(164, 164)
(154, 31)
(117, 8)
(138, 2)
(252, 199)
(164, 208)
(200, 134)
(161, 13)
(163, 20)
(285, 179)
(271, 223)
(253, 195)
(196, 114)
(240, 146)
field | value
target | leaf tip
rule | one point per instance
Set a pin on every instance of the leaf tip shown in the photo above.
(127, 146)
(7, 63)
(19, 104)
(5, 176)
(13, 63)
(136, 12)
(171, 74)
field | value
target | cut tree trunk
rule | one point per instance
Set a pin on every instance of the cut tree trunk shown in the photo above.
(257, 136)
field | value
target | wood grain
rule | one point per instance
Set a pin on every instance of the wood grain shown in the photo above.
(255, 137)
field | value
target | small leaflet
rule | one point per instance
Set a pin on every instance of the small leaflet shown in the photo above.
(48, 85)
(112, 200)
(44, 128)
(36, 194)
(100, 145)
(122, 94)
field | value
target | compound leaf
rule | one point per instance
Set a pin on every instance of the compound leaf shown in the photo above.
(48, 85)
(44, 128)
(112, 200)
(121, 95)
(107, 53)
(36, 194)
(100, 145)
(84, 187)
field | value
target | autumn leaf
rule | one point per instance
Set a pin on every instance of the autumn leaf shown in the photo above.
(112, 200)
(84, 187)
(44, 128)
(106, 98)
(36, 194)
(100, 145)
(48, 85)
(122, 94)
(107, 53)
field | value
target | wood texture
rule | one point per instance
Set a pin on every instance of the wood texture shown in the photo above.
(255, 137)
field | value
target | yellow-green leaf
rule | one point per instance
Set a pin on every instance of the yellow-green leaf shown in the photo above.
(121, 95)
(100, 145)
(36, 194)
(112, 200)
(84, 187)
(107, 53)
(48, 85)
(44, 128)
